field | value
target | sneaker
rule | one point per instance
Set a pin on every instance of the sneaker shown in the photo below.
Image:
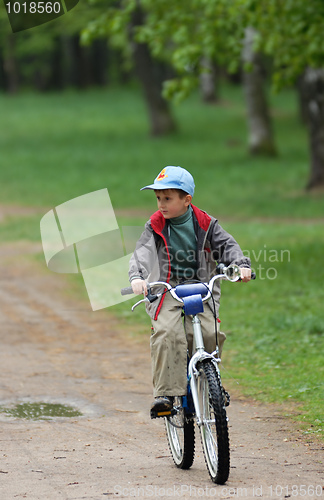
(162, 403)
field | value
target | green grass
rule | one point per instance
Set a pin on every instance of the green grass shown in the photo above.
(275, 326)
(59, 146)
(20, 228)
(56, 147)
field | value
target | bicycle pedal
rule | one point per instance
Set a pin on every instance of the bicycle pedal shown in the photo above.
(158, 414)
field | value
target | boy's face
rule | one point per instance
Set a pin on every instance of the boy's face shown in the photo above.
(170, 204)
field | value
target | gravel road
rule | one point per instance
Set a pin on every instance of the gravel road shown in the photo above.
(54, 349)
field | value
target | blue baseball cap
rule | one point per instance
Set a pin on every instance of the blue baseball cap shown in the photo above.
(173, 178)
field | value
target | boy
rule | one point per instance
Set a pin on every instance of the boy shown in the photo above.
(179, 242)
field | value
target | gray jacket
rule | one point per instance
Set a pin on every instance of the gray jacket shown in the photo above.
(151, 258)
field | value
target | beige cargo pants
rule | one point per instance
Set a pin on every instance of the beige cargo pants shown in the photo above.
(172, 336)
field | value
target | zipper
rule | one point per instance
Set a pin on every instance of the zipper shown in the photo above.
(168, 278)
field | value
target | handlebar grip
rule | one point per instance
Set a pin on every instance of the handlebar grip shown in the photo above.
(126, 291)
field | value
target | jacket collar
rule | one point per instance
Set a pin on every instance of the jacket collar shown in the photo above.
(202, 217)
(158, 222)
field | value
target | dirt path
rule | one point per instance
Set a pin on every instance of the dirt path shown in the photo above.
(55, 349)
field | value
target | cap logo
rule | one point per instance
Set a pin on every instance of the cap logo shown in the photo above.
(162, 175)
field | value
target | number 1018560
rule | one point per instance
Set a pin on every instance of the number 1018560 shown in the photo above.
(33, 7)
(295, 490)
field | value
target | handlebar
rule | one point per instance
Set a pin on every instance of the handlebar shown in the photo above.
(126, 291)
(230, 273)
(150, 296)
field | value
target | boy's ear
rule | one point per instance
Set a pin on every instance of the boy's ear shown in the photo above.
(188, 199)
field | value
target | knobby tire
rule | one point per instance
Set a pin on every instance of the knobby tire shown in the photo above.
(214, 431)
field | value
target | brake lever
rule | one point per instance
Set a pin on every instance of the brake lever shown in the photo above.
(151, 297)
(138, 303)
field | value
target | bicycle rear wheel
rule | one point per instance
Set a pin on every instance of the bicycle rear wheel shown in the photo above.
(214, 429)
(181, 437)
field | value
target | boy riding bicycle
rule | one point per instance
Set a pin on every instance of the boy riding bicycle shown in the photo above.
(180, 242)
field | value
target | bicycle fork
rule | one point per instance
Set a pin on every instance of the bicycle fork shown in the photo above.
(199, 356)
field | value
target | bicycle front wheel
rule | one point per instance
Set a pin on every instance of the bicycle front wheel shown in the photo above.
(214, 429)
(181, 437)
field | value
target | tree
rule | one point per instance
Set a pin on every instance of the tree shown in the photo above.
(185, 31)
(50, 56)
(120, 22)
(9, 70)
(196, 31)
(208, 82)
(313, 85)
(291, 32)
(10, 66)
(260, 131)
(151, 74)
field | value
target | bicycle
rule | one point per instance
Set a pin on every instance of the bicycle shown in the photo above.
(206, 399)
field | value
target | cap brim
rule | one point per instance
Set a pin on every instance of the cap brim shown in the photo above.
(147, 187)
(159, 186)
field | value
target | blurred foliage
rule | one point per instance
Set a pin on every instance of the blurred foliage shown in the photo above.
(184, 31)
(291, 32)
(51, 56)
(112, 22)
(180, 33)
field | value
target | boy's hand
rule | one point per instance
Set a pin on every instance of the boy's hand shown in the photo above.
(139, 286)
(245, 274)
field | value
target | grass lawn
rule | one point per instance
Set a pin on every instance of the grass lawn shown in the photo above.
(276, 324)
(58, 146)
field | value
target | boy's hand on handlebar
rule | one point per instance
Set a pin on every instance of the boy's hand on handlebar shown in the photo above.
(245, 274)
(139, 286)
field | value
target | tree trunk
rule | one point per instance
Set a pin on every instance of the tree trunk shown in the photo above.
(313, 90)
(208, 81)
(56, 79)
(302, 99)
(99, 57)
(10, 67)
(82, 56)
(2, 73)
(261, 140)
(151, 75)
(68, 63)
